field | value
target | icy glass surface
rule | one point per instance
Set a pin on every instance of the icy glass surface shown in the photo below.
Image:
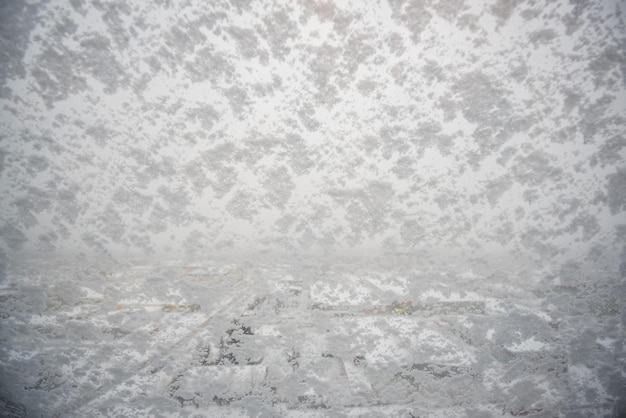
(312, 208)
(307, 338)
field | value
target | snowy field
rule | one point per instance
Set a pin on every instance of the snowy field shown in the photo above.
(311, 338)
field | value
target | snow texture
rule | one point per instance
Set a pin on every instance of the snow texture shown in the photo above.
(313, 208)
(307, 338)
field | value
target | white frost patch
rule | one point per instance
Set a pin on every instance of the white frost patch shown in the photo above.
(391, 284)
(240, 379)
(490, 333)
(495, 306)
(13, 355)
(435, 348)
(92, 294)
(585, 377)
(42, 319)
(338, 294)
(369, 325)
(527, 345)
(432, 294)
(542, 315)
(469, 275)
(148, 304)
(268, 330)
(607, 343)
(389, 350)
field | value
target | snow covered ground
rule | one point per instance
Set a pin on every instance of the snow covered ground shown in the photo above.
(308, 338)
